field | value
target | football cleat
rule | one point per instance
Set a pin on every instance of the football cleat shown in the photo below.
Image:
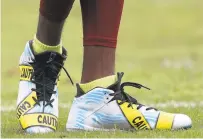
(110, 107)
(37, 103)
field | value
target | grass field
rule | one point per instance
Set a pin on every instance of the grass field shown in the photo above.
(160, 45)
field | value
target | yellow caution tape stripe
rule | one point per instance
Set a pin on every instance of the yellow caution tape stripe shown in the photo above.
(134, 116)
(39, 119)
(26, 72)
(165, 120)
(27, 104)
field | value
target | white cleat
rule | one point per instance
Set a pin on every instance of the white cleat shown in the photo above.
(181, 121)
(37, 103)
(111, 108)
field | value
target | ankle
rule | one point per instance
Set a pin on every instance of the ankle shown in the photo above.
(40, 47)
(98, 62)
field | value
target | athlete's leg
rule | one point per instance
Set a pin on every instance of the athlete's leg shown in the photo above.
(103, 104)
(40, 64)
(101, 20)
(51, 20)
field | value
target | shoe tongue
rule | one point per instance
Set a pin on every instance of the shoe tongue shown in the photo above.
(116, 86)
(103, 82)
(51, 72)
(47, 56)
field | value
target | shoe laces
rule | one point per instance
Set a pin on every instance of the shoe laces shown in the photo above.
(46, 82)
(121, 95)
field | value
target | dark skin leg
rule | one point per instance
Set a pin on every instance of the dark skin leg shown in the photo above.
(51, 20)
(101, 21)
(98, 62)
(49, 32)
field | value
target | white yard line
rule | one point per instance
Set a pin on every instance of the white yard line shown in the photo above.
(178, 104)
(169, 104)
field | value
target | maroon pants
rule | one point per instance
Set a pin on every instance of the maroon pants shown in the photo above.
(101, 18)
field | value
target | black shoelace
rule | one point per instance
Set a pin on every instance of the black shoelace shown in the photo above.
(124, 97)
(46, 83)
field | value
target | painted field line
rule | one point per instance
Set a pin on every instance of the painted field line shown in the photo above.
(169, 104)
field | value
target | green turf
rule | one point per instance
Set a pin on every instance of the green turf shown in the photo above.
(160, 45)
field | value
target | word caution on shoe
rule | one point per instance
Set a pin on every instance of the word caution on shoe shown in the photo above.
(35, 119)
